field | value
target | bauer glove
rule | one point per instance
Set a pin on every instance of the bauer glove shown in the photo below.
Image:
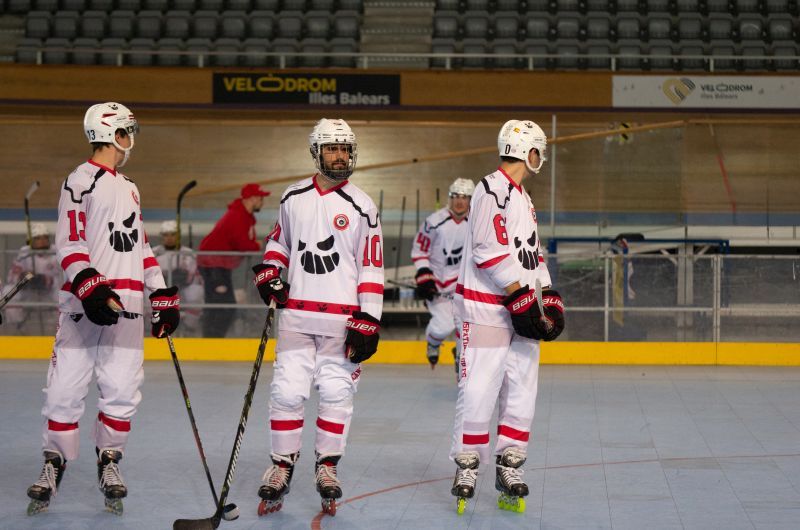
(551, 324)
(426, 284)
(270, 286)
(94, 291)
(362, 336)
(166, 305)
(524, 313)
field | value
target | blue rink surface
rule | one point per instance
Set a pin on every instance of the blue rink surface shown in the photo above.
(626, 447)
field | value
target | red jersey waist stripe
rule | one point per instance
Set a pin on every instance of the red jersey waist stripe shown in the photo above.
(121, 283)
(321, 307)
(478, 296)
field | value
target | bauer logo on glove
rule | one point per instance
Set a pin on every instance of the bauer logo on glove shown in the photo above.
(166, 305)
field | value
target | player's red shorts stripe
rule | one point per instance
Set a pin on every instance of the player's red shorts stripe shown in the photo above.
(477, 296)
(74, 258)
(123, 283)
(277, 256)
(451, 281)
(58, 426)
(367, 287)
(321, 307)
(492, 262)
(117, 425)
(476, 439)
(285, 425)
(325, 425)
(514, 434)
(150, 262)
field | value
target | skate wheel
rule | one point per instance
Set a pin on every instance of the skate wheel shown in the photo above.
(265, 507)
(114, 506)
(461, 505)
(35, 507)
(329, 507)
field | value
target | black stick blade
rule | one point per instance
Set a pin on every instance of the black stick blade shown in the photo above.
(210, 523)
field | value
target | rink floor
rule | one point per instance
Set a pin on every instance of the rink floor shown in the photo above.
(612, 447)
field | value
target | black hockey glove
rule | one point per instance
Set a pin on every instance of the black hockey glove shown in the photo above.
(426, 284)
(551, 324)
(270, 286)
(166, 305)
(362, 336)
(524, 313)
(94, 291)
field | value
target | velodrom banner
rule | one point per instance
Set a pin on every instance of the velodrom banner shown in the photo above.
(307, 89)
(710, 92)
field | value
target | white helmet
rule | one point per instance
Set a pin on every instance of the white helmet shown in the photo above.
(333, 132)
(169, 227)
(518, 137)
(462, 187)
(102, 121)
(38, 230)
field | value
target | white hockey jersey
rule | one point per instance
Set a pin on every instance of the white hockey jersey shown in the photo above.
(502, 247)
(41, 263)
(183, 265)
(331, 243)
(439, 246)
(100, 226)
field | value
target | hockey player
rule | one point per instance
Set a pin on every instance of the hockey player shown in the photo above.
(43, 287)
(328, 238)
(503, 320)
(107, 263)
(183, 267)
(436, 252)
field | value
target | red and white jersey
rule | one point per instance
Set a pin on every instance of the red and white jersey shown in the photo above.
(183, 261)
(439, 246)
(40, 262)
(331, 243)
(502, 247)
(100, 226)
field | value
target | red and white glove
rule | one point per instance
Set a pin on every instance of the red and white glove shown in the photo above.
(95, 293)
(166, 305)
(270, 286)
(362, 336)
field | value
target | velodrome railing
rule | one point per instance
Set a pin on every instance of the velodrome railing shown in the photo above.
(449, 61)
(636, 297)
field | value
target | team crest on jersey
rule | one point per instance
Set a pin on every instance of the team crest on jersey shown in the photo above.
(528, 255)
(454, 257)
(120, 240)
(314, 263)
(135, 198)
(341, 222)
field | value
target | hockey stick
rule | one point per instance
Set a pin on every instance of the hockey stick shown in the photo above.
(31, 191)
(14, 290)
(538, 289)
(213, 521)
(449, 296)
(183, 192)
(231, 511)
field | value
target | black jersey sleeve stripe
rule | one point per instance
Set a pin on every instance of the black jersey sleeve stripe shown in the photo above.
(297, 192)
(79, 200)
(448, 218)
(349, 199)
(493, 194)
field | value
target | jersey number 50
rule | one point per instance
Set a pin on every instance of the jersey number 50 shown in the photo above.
(373, 252)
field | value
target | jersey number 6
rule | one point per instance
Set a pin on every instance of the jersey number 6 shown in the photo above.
(373, 253)
(500, 229)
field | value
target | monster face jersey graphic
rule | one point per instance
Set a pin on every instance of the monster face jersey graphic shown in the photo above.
(454, 257)
(528, 255)
(120, 240)
(314, 263)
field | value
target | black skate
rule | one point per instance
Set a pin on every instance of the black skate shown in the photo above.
(433, 355)
(46, 487)
(328, 484)
(277, 479)
(110, 480)
(466, 477)
(509, 480)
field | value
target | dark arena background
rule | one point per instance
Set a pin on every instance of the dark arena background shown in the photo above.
(669, 208)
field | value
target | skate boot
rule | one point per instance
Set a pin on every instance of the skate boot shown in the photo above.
(509, 480)
(433, 355)
(46, 487)
(328, 484)
(466, 477)
(110, 480)
(277, 479)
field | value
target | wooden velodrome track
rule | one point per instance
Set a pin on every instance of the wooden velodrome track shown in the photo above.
(728, 164)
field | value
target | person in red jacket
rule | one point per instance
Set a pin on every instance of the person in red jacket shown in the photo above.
(235, 231)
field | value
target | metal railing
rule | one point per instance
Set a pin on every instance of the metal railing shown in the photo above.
(447, 61)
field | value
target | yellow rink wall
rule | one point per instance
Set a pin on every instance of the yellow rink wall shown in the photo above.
(412, 352)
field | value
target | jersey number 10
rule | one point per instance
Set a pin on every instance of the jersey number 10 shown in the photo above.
(373, 253)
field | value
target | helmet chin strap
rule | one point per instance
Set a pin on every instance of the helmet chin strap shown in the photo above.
(127, 151)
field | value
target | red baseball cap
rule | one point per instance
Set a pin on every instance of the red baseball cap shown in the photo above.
(253, 190)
